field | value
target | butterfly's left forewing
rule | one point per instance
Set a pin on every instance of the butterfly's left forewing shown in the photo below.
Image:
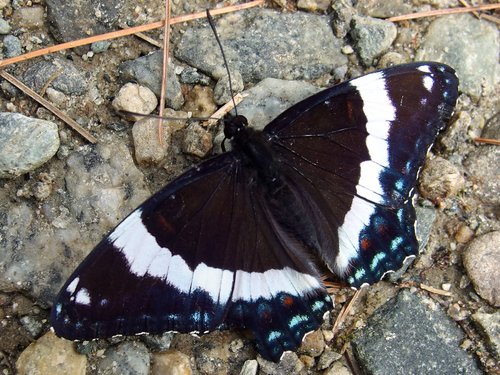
(357, 149)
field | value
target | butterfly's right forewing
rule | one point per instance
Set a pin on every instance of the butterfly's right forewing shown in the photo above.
(357, 149)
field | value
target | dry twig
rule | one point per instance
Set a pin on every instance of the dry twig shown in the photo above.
(222, 111)
(435, 290)
(488, 141)
(345, 311)
(441, 12)
(68, 120)
(164, 71)
(125, 32)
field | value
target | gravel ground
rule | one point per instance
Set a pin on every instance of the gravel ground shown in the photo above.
(60, 194)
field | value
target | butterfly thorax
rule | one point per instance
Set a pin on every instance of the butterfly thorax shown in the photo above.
(254, 152)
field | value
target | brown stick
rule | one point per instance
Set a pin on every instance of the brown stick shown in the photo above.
(345, 311)
(120, 33)
(488, 141)
(164, 73)
(440, 12)
(68, 120)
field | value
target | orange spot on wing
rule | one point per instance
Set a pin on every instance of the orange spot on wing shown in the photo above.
(349, 108)
(287, 301)
(365, 244)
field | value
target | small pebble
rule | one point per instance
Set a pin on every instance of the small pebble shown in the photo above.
(12, 46)
(4, 27)
(25, 143)
(481, 260)
(347, 50)
(29, 17)
(135, 98)
(100, 47)
(464, 234)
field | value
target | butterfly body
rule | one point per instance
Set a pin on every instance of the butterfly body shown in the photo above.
(241, 240)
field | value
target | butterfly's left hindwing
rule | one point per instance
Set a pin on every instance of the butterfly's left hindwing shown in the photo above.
(357, 149)
(198, 256)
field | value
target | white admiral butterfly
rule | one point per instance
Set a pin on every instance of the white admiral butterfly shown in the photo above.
(240, 241)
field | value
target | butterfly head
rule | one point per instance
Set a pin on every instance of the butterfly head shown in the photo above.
(234, 126)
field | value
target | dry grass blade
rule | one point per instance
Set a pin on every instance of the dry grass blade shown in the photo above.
(222, 111)
(467, 5)
(51, 79)
(345, 311)
(164, 71)
(124, 32)
(148, 39)
(441, 12)
(68, 120)
(488, 141)
(435, 290)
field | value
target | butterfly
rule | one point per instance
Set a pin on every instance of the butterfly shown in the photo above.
(241, 240)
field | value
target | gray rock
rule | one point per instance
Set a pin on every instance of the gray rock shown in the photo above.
(40, 247)
(9, 90)
(484, 169)
(4, 27)
(31, 18)
(127, 358)
(457, 133)
(425, 217)
(250, 367)
(313, 344)
(382, 9)
(468, 45)
(490, 325)
(134, 98)
(327, 358)
(12, 46)
(158, 342)
(68, 79)
(481, 260)
(222, 94)
(32, 324)
(192, 76)
(289, 364)
(414, 339)
(271, 97)
(390, 59)
(197, 141)
(268, 99)
(314, 5)
(148, 148)
(338, 368)
(342, 13)
(372, 36)
(71, 20)
(25, 143)
(440, 179)
(262, 43)
(147, 71)
(101, 46)
(492, 128)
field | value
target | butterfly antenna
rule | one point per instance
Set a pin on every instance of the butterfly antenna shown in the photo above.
(212, 25)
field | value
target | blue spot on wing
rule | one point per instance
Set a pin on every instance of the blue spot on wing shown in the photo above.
(280, 323)
(388, 239)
